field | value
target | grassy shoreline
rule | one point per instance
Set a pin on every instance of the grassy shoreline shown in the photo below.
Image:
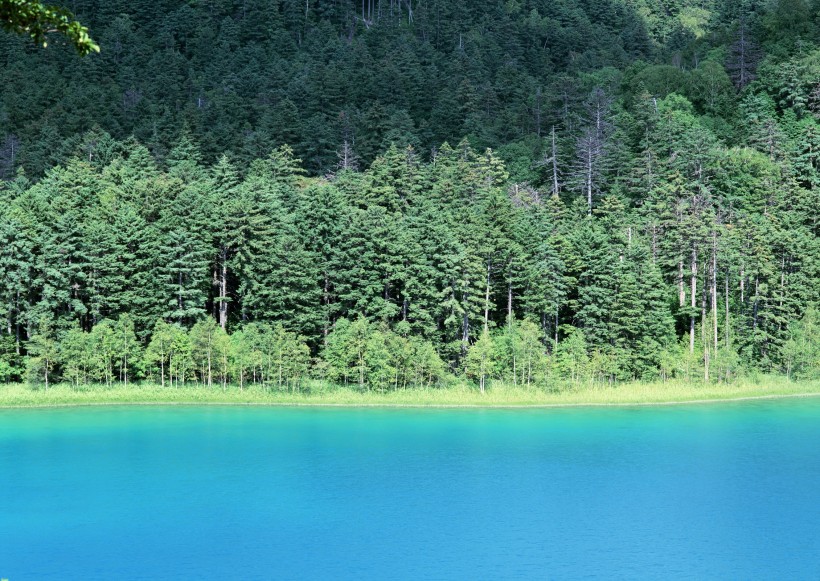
(629, 394)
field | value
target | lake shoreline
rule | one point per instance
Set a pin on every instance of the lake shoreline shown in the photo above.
(411, 405)
(628, 395)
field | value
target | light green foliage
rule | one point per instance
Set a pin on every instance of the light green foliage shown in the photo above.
(520, 354)
(32, 18)
(380, 360)
(375, 357)
(127, 349)
(571, 357)
(242, 355)
(77, 356)
(345, 350)
(480, 363)
(205, 336)
(425, 366)
(181, 366)
(221, 356)
(168, 354)
(801, 353)
(44, 353)
(159, 352)
(285, 357)
(103, 341)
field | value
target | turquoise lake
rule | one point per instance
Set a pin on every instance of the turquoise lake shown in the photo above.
(728, 491)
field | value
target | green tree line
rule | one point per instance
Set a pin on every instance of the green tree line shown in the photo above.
(446, 261)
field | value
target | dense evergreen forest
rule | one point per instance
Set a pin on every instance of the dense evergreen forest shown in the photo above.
(387, 193)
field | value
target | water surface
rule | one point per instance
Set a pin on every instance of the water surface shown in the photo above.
(710, 491)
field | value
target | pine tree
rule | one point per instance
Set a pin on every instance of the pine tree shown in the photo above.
(225, 180)
(16, 261)
(185, 253)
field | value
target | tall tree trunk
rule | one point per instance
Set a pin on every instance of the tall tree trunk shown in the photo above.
(555, 186)
(714, 290)
(487, 298)
(509, 304)
(223, 291)
(706, 364)
(589, 182)
(17, 323)
(754, 307)
(706, 290)
(483, 375)
(742, 286)
(361, 369)
(326, 301)
(782, 280)
(694, 284)
(209, 361)
(726, 296)
(465, 326)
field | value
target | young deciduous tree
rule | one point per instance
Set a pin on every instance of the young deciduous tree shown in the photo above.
(480, 362)
(801, 352)
(44, 352)
(159, 352)
(571, 357)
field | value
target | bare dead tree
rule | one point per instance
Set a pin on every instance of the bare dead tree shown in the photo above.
(348, 160)
(592, 145)
(550, 162)
(523, 195)
(744, 56)
(9, 152)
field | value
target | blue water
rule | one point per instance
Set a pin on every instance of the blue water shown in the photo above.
(719, 491)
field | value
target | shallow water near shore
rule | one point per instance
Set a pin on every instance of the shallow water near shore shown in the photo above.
(726, 490)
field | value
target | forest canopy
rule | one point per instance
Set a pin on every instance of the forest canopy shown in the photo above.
(393, 191)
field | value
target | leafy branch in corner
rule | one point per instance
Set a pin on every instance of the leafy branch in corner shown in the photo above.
(36, 20)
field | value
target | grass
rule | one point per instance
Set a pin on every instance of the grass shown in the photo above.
(319, 393)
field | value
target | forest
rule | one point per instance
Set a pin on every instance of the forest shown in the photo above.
(401, 193)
